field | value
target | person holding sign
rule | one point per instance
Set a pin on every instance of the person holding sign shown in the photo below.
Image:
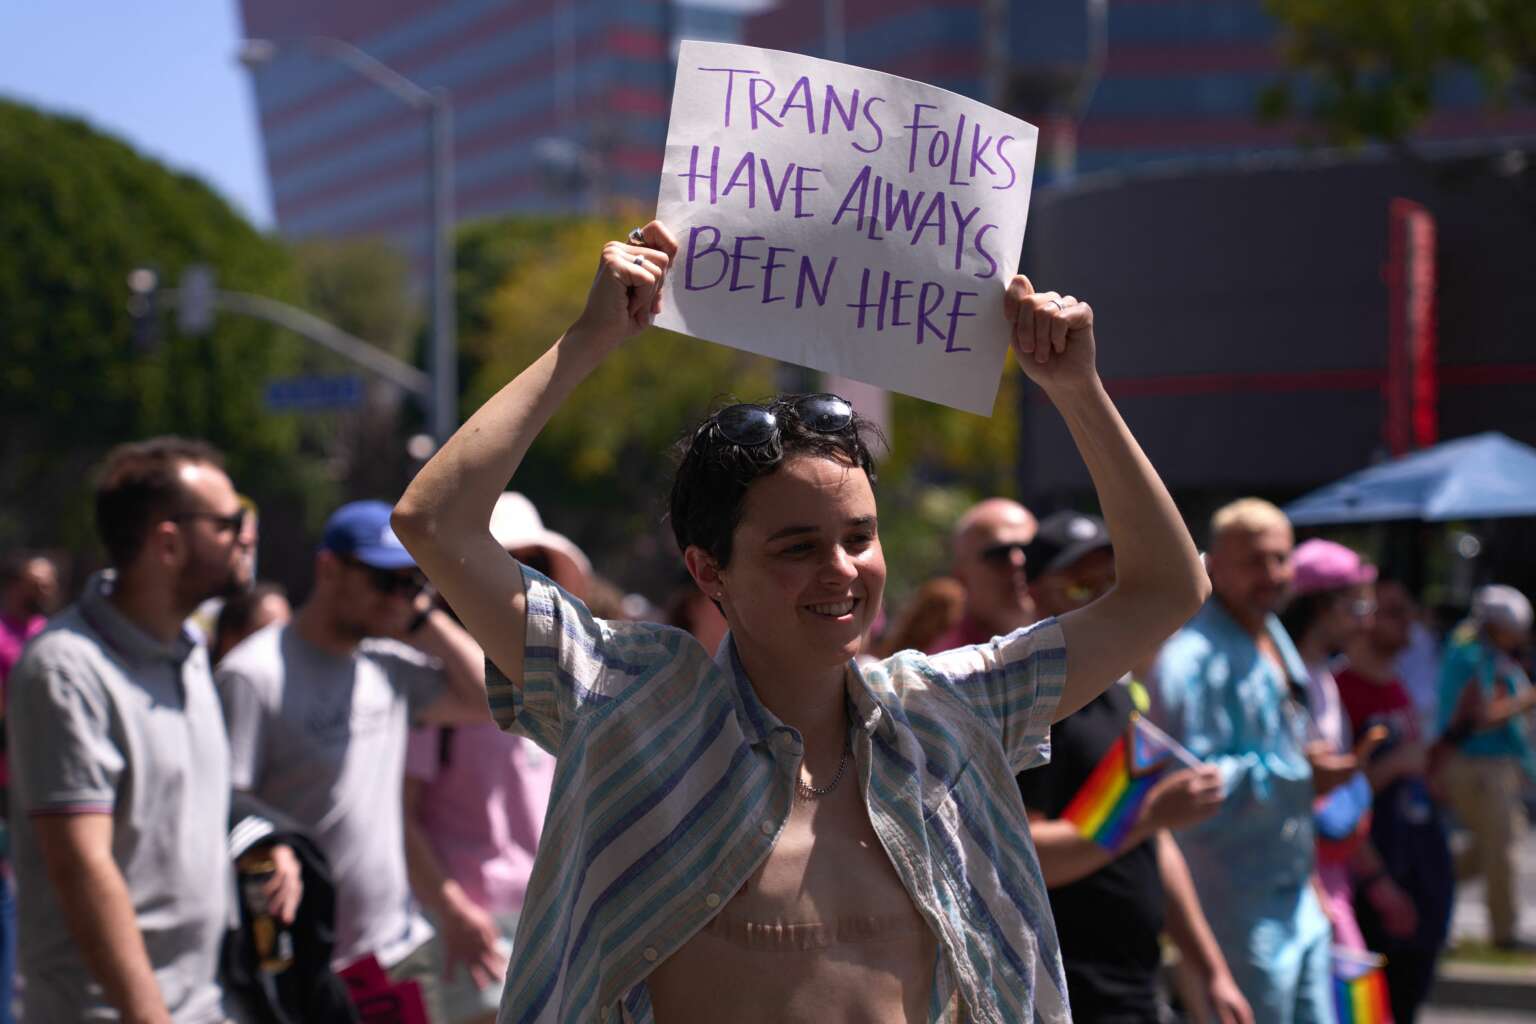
(779, 833)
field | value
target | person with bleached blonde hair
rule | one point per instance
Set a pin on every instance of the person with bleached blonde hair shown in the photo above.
(1231, 686)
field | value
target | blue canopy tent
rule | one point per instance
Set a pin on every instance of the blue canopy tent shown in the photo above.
(1485, 476)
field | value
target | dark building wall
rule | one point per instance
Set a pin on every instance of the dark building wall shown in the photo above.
(1243, 314)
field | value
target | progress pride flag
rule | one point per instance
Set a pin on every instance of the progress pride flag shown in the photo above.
(843, 219)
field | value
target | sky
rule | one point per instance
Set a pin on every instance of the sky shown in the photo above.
(160, 74)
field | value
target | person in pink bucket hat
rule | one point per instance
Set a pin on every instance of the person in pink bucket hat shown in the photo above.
(1333, 602)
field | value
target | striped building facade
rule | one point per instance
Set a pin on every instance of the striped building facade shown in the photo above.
(556, 102)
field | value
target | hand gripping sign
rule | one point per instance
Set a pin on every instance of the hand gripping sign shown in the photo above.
(843, 219)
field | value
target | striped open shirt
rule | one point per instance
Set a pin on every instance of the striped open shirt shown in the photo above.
(674, 781)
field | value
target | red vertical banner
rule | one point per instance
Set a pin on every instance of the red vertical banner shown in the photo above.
(1412, 387)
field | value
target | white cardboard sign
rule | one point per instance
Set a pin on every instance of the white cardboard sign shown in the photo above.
(843, 219)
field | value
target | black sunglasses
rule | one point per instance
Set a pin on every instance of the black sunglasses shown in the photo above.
(754, 425)
(405, 583)
(235, 521)
(1002, 554)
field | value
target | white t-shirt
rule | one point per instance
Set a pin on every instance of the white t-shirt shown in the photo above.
(320, 739)
(1329, 723)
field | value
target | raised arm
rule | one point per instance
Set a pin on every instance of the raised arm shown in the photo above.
(1159, 581)
(444, 517)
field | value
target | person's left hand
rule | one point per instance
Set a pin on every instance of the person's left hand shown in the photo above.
(1052, 335)
(1227, 1001)
(286, 886)
(1331, 770)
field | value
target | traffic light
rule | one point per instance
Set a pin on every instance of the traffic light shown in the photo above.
(143, 309)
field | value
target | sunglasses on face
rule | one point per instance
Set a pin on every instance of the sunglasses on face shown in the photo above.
(406, 584)
(235, 521)
(999, 555)
(754, 425)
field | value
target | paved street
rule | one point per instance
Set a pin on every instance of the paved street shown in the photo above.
(1437, 1015)
(1470, 924)
(1470, 921)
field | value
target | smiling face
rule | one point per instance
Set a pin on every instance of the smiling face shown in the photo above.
(806, 572)
(1251, 570)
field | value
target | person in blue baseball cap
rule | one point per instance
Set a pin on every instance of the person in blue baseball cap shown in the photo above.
(318, 713)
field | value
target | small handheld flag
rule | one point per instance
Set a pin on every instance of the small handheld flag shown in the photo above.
(1110, 800)
(1360, 988)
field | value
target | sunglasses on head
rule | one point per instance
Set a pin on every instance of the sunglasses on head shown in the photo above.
(234, 521)
(754, 425)
(405, 583)
(1001, 554)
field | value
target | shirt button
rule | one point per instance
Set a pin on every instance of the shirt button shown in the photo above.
(651, 954)
(767, 828)
(712, 900)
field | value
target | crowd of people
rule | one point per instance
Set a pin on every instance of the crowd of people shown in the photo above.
(1086, 773)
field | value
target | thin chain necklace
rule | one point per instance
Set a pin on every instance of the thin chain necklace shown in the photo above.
(805, 792)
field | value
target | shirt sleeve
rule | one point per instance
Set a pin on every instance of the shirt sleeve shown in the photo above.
(421, 753)
(1190, 701)
(415, 675)
(1041, 788)
(1013, 683)
(575, 663)
(245, 720)
(64, 759)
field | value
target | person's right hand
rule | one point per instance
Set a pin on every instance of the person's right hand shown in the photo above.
(626, 292)
(1398, 915)
(469, 937)
(1183, 798)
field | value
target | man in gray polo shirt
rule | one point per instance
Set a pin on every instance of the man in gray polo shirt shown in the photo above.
(120, 769)
(319, 710)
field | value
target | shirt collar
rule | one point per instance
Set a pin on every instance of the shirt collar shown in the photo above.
(121, 633)
(866, 711)
(1295, 670)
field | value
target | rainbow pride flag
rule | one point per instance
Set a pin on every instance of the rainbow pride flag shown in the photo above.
(1110, 800)
(1360, 988)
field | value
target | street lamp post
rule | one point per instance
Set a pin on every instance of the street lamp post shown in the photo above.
(437, 106)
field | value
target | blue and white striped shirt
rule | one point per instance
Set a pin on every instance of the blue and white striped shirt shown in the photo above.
(674, 781)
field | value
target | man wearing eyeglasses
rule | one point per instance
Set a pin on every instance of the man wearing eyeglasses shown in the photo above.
(988, 544)
(1141, 882)
(318, 712)
(120, 771)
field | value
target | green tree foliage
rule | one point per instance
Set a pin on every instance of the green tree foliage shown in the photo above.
(78, 211)
(363, 287)
(600, 470)
(1368, 69)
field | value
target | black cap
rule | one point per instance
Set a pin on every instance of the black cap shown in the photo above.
(1063, 538)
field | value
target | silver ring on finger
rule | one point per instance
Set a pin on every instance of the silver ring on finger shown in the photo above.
(637, 236)
(1057, 304)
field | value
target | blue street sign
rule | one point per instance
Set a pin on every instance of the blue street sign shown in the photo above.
(314, 392)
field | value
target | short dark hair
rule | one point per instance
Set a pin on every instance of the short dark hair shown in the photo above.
(240, 610)
(14, 563)
(710, 486)
(138, 485)
(1304, 611)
